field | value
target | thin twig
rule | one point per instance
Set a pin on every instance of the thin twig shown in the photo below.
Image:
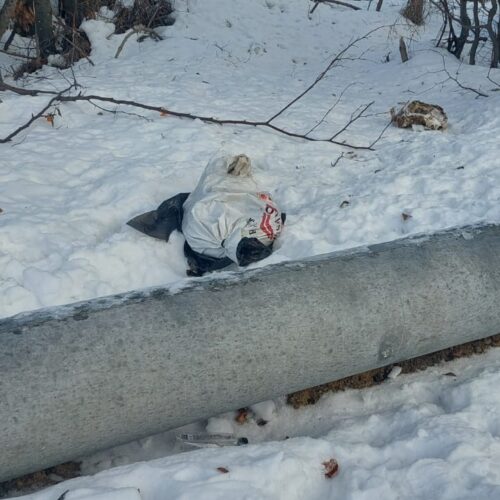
(334, 164)
(79, 49)
(124, 41)
(330, 109)
(20, 91)
(324, 72)
(33, 118)
(314, 8)
(21, 56)
(491, 79)
(454, 79)
(354, 117)
(140, 28)
(121, 112)
(445, 24)
(381, 134)
(478, 92)
(337, 2)
(63, 495)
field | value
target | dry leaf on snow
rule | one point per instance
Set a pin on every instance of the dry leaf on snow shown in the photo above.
(331, 468)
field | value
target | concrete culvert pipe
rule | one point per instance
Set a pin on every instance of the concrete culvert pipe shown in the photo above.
(79, 378)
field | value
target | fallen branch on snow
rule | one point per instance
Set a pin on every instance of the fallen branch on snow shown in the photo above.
(337, 2)
(455, 79)
(140, 28)
(60, 97)
(165, 112)
(35, 117)
(491, 79)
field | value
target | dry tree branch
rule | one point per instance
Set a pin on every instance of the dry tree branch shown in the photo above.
(33, 118)
(372, 145)
(140, 28)
(20, 91)
(335, 163)
(120, 112)
(454, 79)
(124, 41)
(337, 2)
(478, 92)
(60, 97)
(320, 77)
(331, 108)
(21, 56)
(354, 117)
(491, 79)
(164, 112)
(314, 8)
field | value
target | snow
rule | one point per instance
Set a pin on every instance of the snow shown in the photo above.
(66, 192)
(428, 435)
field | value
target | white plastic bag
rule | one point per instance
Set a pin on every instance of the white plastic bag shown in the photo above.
(227, 206)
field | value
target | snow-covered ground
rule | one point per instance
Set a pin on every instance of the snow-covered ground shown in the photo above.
(66, 192)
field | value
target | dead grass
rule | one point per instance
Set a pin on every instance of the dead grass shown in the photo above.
(148, 13)
(38, 480)
(373, 377)
(73, 42)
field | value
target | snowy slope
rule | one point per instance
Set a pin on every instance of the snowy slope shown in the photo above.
(430, 435)
(67, 191)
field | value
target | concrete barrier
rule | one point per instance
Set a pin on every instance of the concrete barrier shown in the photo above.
(79, 378)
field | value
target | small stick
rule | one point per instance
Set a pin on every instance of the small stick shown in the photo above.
(338, 2)
(403, 50)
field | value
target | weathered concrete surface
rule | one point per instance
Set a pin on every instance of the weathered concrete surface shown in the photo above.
(96, 374)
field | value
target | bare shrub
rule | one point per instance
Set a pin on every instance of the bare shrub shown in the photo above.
(58, 38)
(148, 13)
(471, 22)
(74, 12)
(414, 12)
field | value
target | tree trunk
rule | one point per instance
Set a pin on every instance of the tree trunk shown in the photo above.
(465, 25)
(403, 50)
(495, 52)
(414, 11)
(44, 31)
(73, 12)
(477, 33)
(6, 13)
(498, 33)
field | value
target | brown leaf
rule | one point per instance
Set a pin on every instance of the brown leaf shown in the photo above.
(50, 118)
(406, 216)
(241, 415)
(331, 468)
(222, 470)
